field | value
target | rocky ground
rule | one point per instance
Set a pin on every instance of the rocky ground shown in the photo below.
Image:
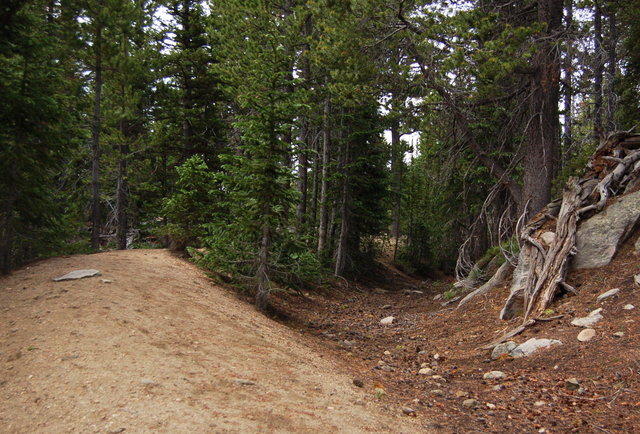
(428, 362)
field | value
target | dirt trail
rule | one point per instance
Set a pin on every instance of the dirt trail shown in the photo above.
(158, 348)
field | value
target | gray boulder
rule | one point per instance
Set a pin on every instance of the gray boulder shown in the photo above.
(599, 237)
(533, 345)
(77, 274)
(503, 348)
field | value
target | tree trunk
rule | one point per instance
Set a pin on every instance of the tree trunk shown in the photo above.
(342, 249)
(122, 200)
(95, 143)
(568, 87)
(611, 71)
(324, 189)
(305, 135)
(598, 71)
(396, 168)
(262, 274)
(542, 146)
(6, 232)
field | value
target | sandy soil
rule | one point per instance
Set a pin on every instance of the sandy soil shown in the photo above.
(152, 345)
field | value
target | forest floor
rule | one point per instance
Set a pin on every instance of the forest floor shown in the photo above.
(152, 345)
(533, 397)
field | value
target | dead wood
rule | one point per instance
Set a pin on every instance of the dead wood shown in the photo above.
(542, 274)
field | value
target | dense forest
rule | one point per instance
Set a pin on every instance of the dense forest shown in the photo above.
(280, 141)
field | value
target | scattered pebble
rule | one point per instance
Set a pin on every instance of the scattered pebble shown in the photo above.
(387, 353)
(387, 306)
(426, 371)
(610, 293)
(470, 403)
(494, 375)
(618, 334)
(498, 387)
(409, 411)
(629, 307)
(491, 406)
(572, 384)
(243, 382)
(358, 383)
(539, 404)
(387, 321)
(586, 335)
(461, 394)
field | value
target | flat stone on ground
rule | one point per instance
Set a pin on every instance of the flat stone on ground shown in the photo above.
(588, 320)
(77, 274)
(533, 345)
(586, 335)
(608, 294)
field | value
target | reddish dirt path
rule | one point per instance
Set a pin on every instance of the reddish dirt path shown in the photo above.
(161, 349)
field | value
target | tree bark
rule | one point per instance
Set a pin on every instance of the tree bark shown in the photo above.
(262, 273)
(568, 87)
(396, 168)
(342, 250)
(122, 200)
(324, 189)
(612, 60)
(95, 142)
(542, 146)
(305, 136)
(598, 72)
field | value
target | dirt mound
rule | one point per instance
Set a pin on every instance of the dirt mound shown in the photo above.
(151, 345)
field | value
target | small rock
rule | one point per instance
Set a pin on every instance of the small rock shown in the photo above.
(243, 382)
(586, 335)
(572, 384)
(503, 348)
(618, 334)
(588, 320)
(358, 383)
(629, 307)
(437, 297)
(498, 387)
(539, 404)
(470, 403)
(532, 345)
(437, 392)
(387, 321)
(491, 406)
(608, 294)
(77, 274)
(436, 356)
(636, 279)
(106, 280)
(437, 377)
(461, 394)
(409, 411)
(387, 353)
(346, 343)
(494, 375)
(426, 371)
(148, 382)
(387, 306)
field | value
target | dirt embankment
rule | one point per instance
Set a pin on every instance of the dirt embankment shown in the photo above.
(151, 345)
